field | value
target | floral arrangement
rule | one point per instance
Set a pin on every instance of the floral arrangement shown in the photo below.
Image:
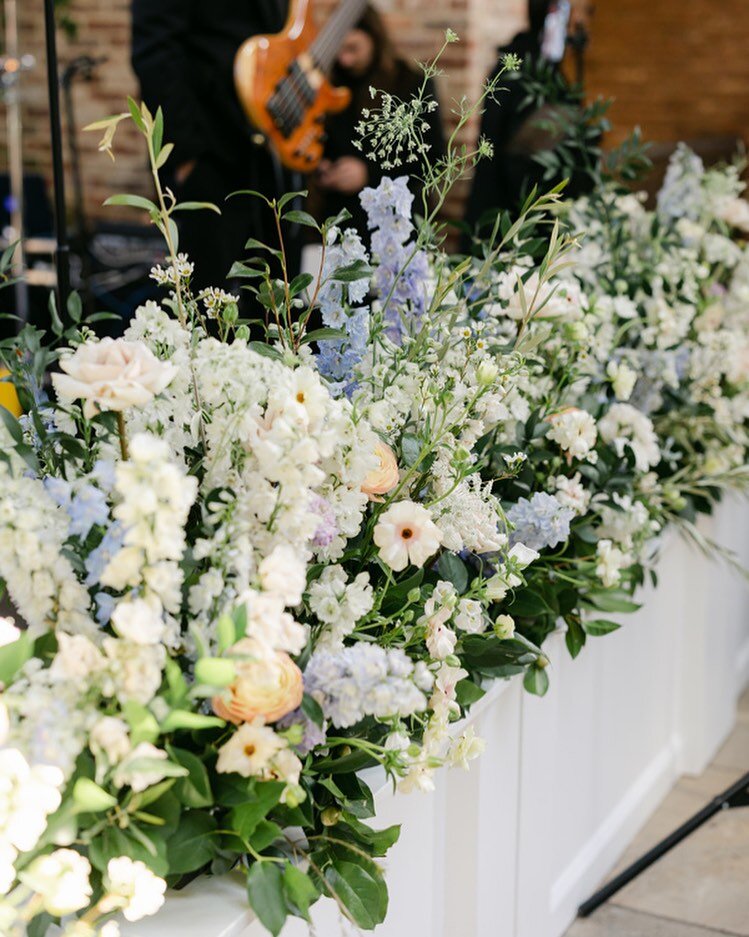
(246, 569)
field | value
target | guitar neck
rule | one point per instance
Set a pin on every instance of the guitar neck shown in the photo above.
(325, 47)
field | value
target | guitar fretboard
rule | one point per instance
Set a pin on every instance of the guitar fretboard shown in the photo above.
(325, 47)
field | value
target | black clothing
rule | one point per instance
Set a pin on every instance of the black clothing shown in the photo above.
(509, 123)
(183, 54)
(341, 131)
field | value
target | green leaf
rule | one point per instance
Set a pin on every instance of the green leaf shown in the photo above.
(245, 817)
(467, 693)
(379, 840)
(266, 833)
(91, 798)
(599, 626)
(184, 719)
(360, 886)
(410, 449)
(136, 114)
(142, 722)
(284, 200)
(312, 709)
(300, 891)
(324, 334)
(14, 656)
(158, 131)
(191, 845)
(195, 789)
(113, 842)
(266, 894)
(57, 326)
(352, 272)
(166, 152)
(574, 638)
(536, 681)
(75, 307)
(452, 568)
(267, 350)
(197, 206)
(301, 217)
(611, 601)
(133, 201)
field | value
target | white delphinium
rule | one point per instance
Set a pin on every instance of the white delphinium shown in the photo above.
(40, 579)
(339, 604)
(624, 427)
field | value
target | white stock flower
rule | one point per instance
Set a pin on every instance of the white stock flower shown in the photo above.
(405, 534)
(28, 794)
(575, 432)
(466, 748)
(61, 879)
(139, 620)
(283, 573)
(132, 888)
(610, 562)
(110, 736)
(623, 379)
(112, 374)
(77, 658)
(625, 426)
(470, 616)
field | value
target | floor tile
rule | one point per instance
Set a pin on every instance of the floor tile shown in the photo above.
(703, 881)
(610, 921)
(735, 752)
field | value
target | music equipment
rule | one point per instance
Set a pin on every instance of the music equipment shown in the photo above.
(282, 81)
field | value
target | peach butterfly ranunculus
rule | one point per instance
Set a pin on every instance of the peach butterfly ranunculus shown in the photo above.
(385, 477)
(112, 374)
(269, 687)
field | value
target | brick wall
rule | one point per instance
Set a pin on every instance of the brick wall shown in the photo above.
(678, 68)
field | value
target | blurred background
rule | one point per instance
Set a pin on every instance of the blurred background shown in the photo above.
(676, 68)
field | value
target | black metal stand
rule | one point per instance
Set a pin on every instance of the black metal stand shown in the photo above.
(62, 253)
(737, 795)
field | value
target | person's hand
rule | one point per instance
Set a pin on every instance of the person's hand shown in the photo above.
(348, 175)
(183, 171)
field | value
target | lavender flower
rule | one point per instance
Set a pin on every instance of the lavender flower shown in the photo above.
(313, 734)
(98, 558)
(85, 505)
(327, 528)
(539, 522)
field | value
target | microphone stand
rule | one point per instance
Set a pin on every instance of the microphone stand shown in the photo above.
(62, 252)
(578, 42)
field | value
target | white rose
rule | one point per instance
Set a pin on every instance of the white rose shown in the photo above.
(112, 374)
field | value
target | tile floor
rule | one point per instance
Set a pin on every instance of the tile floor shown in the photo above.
(701, 887)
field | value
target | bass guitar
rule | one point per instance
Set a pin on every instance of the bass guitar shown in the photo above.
(282, 81)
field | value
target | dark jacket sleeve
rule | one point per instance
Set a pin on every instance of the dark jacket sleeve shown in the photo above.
(161, 61)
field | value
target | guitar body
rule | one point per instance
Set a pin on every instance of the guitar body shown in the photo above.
(283, 92)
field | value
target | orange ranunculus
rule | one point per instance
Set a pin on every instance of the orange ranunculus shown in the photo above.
(269, 687)
(385, 477)
(8, 395)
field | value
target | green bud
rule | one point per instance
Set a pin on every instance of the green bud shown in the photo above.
(215, 671)
(294, 734)
(330, 816)
(243, 333)
(295, 795)
(413, 596)
(452, 660)
(91, 798)
(230, 313)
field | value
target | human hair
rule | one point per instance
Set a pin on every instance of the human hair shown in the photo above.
(386, 63)
(538, 10)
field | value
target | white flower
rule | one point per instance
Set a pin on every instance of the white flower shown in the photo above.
(571, 493)
(522, 555)
(61, 878)
(611, 561)
(27, 795)
(110, 735)
(440, 640)
(470, 616)
(623, 426)
(284, 574)
(8, 856)
(504, 626)
(112, 374)
(465, 748)
(139, 620)
(405, 534)
(140, 768)
(623, 379)
(8, 631)
(575, 432)
(250, 750)
(77, 658)
(132, 888)
(735, 212)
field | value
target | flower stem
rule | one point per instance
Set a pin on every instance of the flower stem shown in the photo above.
(123, 435)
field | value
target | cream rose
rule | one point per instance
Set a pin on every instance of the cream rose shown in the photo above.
(112, 374)
(385, 477)
(265, 687)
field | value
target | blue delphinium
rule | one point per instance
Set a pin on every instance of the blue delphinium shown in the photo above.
(401, 271)
(365, 680)
(98, 559)
(85, 504)
(539, 522)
